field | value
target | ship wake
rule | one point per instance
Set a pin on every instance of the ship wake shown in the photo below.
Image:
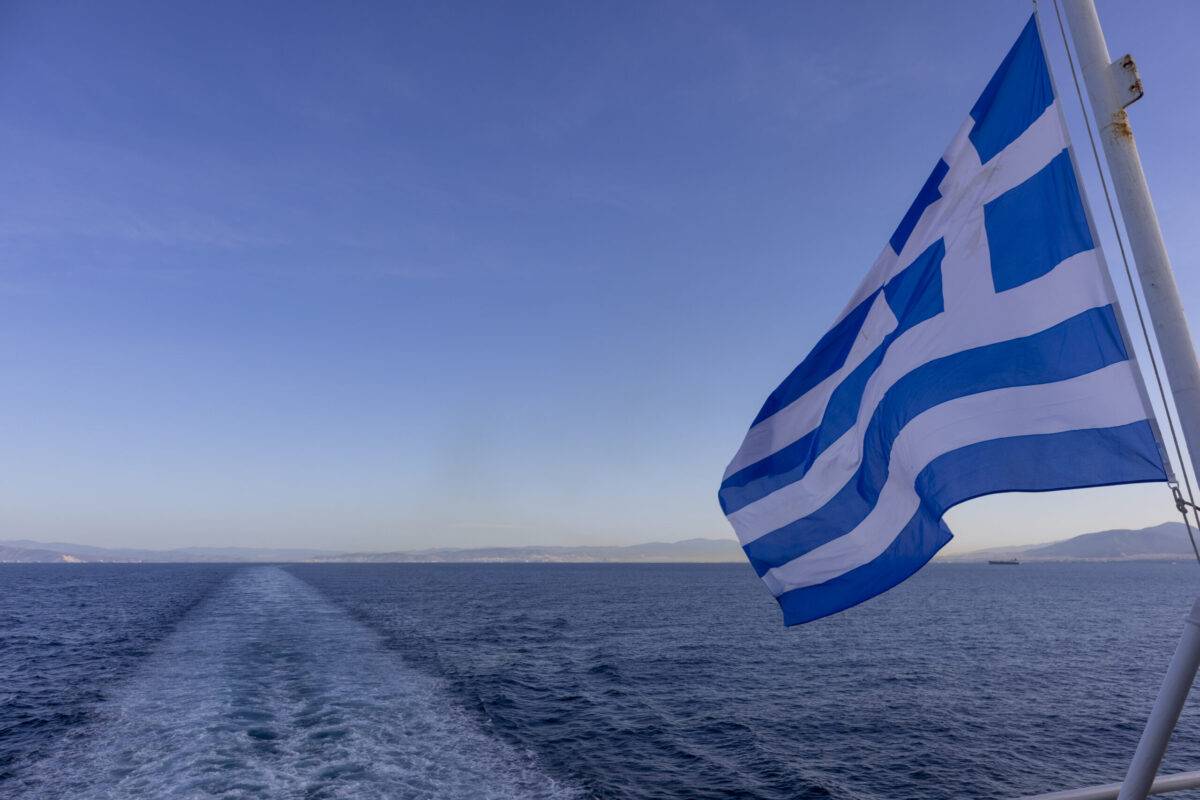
(269, 690)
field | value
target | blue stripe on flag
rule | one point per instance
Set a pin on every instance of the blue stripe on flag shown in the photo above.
(928, 195)
(911, 296)
(1033, 227)
(825, 359)
(914, 296)
(910, 551)
(1082, 344)
(1065, 351)
(1016, 96)
(1069, 460)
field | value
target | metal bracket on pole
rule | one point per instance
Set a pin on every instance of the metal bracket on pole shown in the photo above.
(1126, 81)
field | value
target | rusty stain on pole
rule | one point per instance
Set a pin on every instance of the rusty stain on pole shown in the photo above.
(1119, 127)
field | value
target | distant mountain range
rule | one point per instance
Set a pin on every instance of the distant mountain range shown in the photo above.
(690, 550)
(23, 550)
(1168, 541)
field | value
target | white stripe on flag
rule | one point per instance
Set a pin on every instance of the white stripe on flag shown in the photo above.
(1063, 293)
(800, 417)
(1101, 399)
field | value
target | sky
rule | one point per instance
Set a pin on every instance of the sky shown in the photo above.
(379, 276)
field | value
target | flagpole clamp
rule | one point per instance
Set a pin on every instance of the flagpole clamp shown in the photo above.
(1181, 502)
(1126, 81)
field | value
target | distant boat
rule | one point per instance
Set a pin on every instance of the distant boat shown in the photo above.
(1012, 562)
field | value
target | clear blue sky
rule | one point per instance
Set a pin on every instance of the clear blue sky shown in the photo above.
(395, 275)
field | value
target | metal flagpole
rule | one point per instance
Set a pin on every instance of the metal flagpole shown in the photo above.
(1111, 86)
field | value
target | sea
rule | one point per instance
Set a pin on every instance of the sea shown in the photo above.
(564, 681)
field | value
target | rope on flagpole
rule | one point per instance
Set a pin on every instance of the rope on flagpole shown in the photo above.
(1180, 503)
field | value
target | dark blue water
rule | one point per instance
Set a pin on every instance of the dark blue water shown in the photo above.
(575, 681)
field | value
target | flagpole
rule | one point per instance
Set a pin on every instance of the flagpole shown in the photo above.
(1112, 86)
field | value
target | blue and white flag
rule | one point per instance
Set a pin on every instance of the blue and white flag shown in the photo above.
(981, 354)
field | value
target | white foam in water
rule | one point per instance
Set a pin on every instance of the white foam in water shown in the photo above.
(269, 690)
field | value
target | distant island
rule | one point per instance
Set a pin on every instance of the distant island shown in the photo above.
(1166, 542)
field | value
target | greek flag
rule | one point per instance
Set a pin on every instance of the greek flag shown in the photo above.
(981, 354)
